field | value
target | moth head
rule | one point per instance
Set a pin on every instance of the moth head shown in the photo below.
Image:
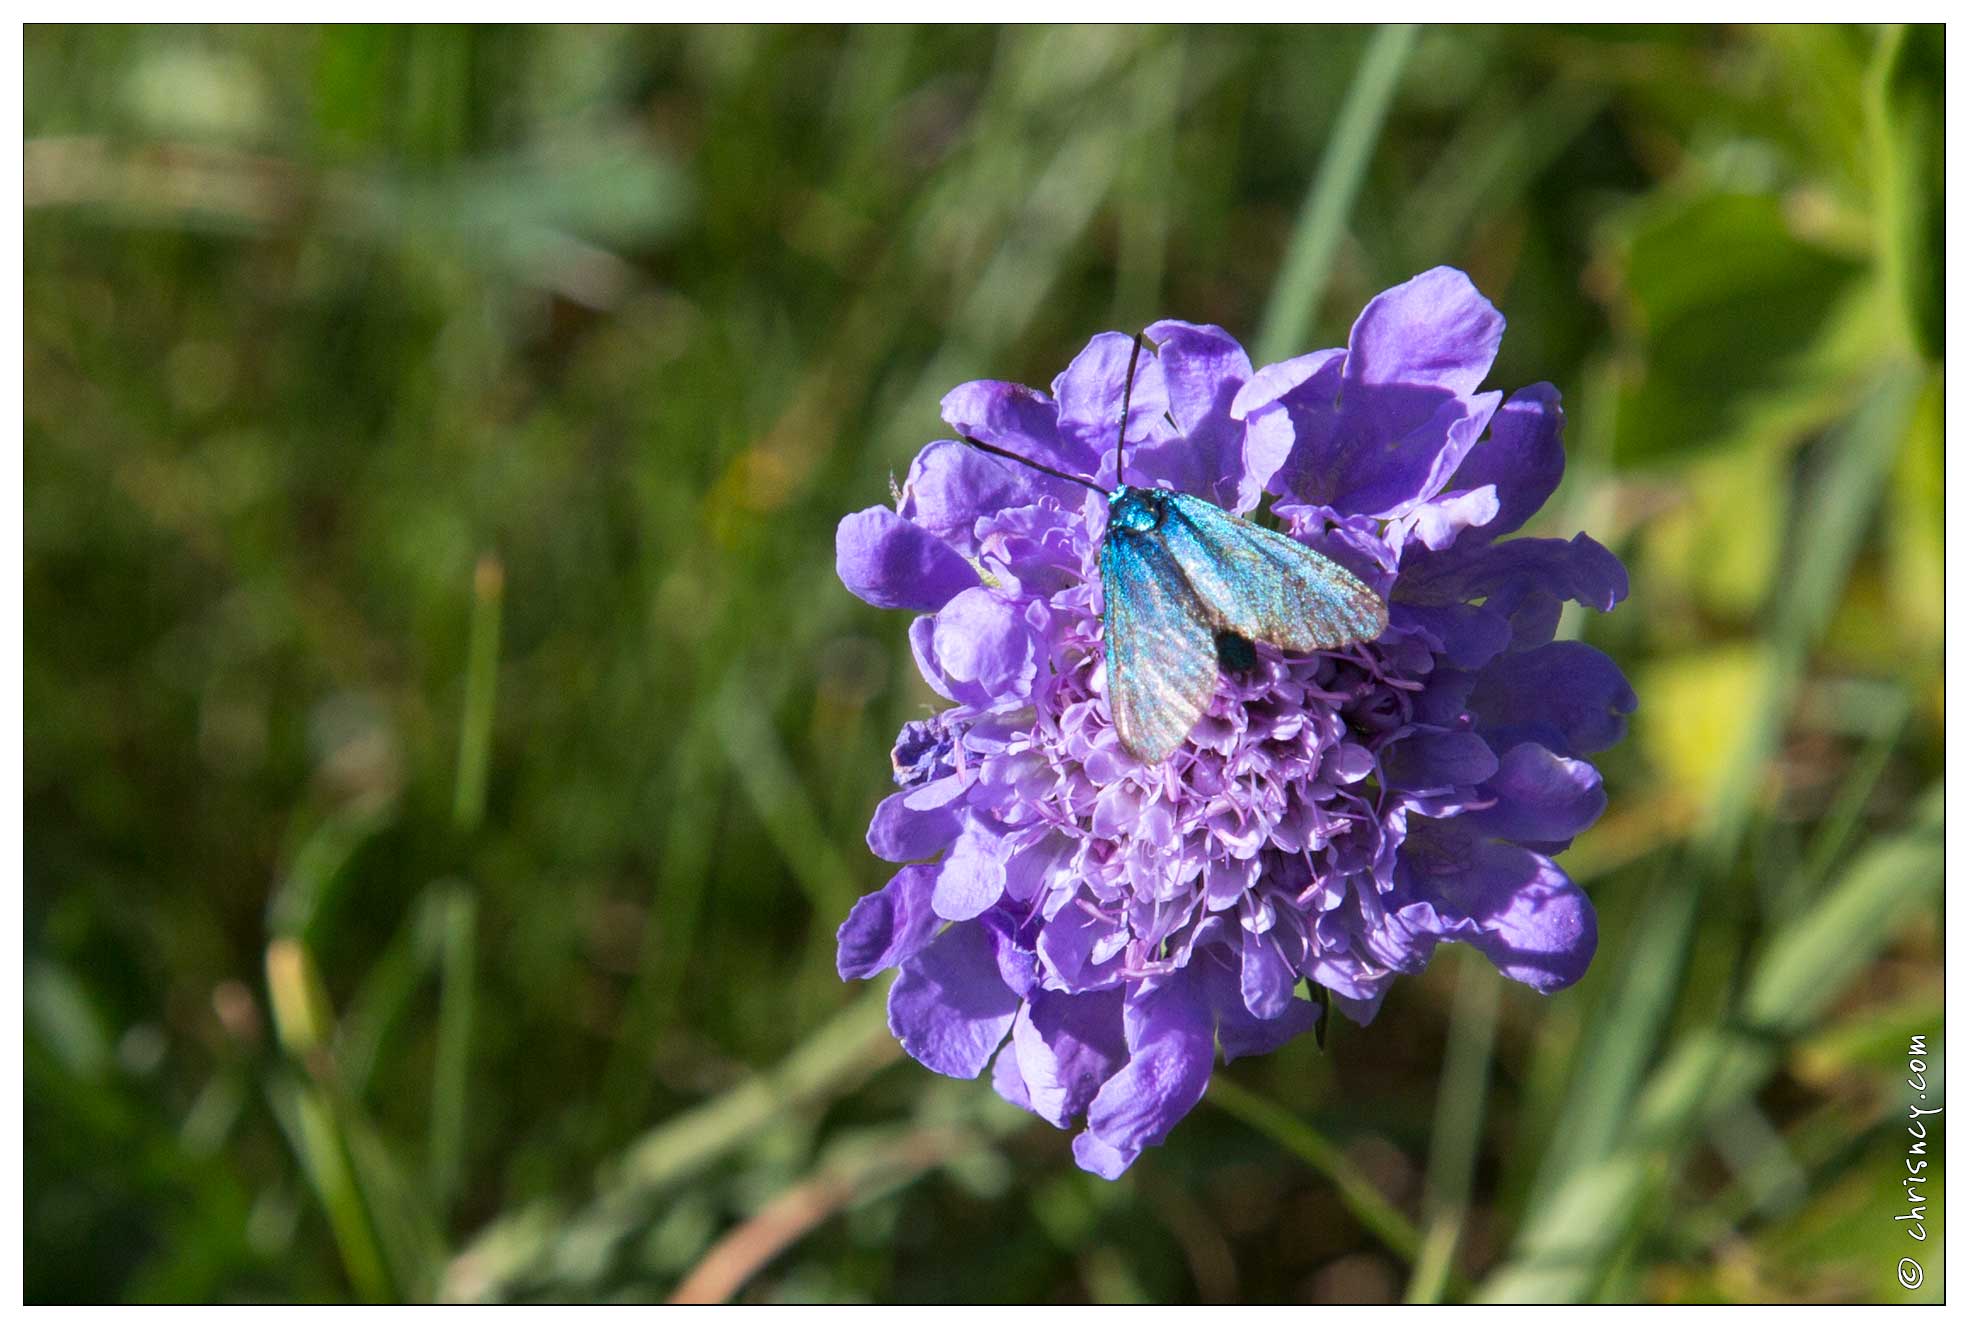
(1131, 509)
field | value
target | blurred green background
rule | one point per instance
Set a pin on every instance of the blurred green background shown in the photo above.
(448, 749)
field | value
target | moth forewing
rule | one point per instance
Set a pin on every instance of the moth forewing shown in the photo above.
(1267, 586)
(1161, 653)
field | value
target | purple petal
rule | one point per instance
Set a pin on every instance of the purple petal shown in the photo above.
(949, 1008)
(1445, 700)
(1265, 979)
(1090, 391)
(971, 879)
(895, 564)
(1268, 446)
(1361, 1010)
(1169, 1053)
(1097, 1156)
(1434, 330)
(1534, 619)
(1068, 1047)
(1292, 418)
(1007, 1079)
(1203, 369)
(923, 645)
(1069, 942)
(1467, 636)
(1541, 797)
(984, 648)
(1243, 1034)
(1565, 695)
(950, 486)
(1579, 569)
(1381, 447)
(888, 926)
(1439, 522)
(936, 795)
(1272, 382)
(1034, 550)
(901, 834)
(1038, 867)
(1516, 906)
(1019, 419)
(1424, 762)
(1396, 420)
(1419, 465)
(1523, 458)
(1017, 964)
(1346, 763)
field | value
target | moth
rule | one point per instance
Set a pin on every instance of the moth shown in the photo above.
(1188, 586)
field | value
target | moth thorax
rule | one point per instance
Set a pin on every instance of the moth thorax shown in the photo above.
(1134, 509)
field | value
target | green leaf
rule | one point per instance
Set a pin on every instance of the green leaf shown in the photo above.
(1721, 297)
(1905, 110)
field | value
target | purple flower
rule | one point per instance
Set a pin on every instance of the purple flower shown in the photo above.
(1091, 928)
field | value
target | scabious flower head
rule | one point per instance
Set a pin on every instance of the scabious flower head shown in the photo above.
(1091, 928)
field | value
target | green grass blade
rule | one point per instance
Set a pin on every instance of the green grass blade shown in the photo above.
(302, 1017)
(771, 784)
(1149, 182)
(1828, 530)
(1495, 156)
(1813, 958)
(304, 1022)
(308, 1120)
(320, 868)
(1562, 1255)
(1322, 219)
(1371, 1209)
(385, 1231)
(676, 906)
(837, 1057)
(458, 998)
(1836, 828)
(1832, 523)
(1457, 1134)
(406, 1225)
(1625, 1031)
(481, 689)
(384, 995)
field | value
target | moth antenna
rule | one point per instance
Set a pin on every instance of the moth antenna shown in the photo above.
(1127, 395)
(982, 446)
